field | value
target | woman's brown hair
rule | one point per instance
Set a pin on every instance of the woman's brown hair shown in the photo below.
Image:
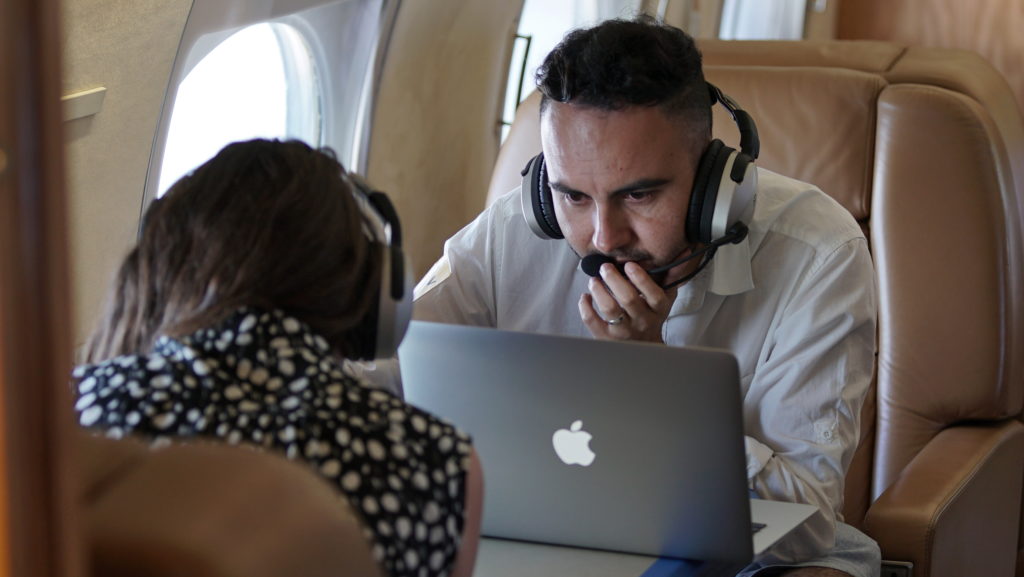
(266, 224)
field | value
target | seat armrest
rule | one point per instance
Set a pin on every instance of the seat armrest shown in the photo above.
(948, 512)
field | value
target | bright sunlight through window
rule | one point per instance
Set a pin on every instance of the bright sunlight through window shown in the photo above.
(259, 83)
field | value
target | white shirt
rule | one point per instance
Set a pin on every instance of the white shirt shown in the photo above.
(799, 315)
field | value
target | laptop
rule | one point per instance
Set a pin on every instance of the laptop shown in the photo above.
(620, 446)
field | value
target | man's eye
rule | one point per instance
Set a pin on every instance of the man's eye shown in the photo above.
(639, 195)
(574, 197)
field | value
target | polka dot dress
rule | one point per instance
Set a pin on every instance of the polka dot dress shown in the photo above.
(264, 379)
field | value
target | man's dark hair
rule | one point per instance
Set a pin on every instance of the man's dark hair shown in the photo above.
(623, 63)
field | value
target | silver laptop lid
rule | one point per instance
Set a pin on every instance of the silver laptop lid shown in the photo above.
(667, 476)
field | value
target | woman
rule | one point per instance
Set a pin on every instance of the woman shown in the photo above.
(254, 279)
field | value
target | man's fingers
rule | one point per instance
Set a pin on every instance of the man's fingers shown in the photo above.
(592, 319)
(650, 292)
(604, 302)
(631, 307)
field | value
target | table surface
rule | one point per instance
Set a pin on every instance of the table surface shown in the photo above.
(505, 558)
(508, 558)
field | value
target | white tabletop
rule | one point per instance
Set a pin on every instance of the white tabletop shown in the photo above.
(506, 558)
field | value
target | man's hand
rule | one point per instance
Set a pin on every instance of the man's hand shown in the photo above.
(631, 307)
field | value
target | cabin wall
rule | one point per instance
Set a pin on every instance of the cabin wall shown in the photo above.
(436, 128)
(127, 46)
(435, 132)
(991, 28)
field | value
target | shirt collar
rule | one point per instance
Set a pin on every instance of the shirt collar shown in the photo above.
(729, 272)
(730, 269)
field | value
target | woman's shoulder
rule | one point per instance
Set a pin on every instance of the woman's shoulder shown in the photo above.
(378, 413)
(129, 391)
(406, 471)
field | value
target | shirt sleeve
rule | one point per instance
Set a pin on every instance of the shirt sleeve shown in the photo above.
(460, 287)
(809, 389)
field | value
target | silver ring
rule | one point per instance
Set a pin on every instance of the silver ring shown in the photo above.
(617, 320)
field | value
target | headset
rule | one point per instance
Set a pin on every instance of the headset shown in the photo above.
(724, 186)
(386, 324)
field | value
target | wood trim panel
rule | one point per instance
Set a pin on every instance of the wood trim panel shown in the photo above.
(39, 535)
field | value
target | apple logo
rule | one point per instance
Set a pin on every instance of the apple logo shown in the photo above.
(573, 445)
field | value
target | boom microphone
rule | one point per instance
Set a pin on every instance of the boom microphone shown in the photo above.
(591, 264)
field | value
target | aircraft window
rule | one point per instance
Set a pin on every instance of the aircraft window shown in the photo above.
(764, 19)
(542, 25)
(259, 82)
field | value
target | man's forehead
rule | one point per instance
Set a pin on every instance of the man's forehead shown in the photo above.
(575, 125)
(571, 129)
(563, 110)
(559, 117)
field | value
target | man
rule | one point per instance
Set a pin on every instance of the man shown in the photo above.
(626, 138)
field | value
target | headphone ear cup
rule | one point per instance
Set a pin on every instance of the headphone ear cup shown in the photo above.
(394, 303)
(537, 201)
(383, 328)
(742, 179)
(705, 191)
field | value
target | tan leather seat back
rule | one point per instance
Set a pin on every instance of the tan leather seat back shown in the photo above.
(919, 145)
(816, 125)
(213, 511)
(942, 195)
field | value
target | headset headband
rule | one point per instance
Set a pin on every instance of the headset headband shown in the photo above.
(750, 142)
(389, 224)
(394, 302)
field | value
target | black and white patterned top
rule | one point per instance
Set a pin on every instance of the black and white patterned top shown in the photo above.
(265, 379)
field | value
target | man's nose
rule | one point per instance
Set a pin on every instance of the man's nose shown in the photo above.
(611, 232)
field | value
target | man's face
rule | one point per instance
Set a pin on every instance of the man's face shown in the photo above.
(621, 181)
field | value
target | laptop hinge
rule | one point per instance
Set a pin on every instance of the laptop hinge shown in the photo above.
(897, 569)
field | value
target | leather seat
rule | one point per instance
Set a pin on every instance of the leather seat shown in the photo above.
(925, 147)
(207, 510)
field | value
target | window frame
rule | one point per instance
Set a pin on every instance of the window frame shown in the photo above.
(210, 22)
